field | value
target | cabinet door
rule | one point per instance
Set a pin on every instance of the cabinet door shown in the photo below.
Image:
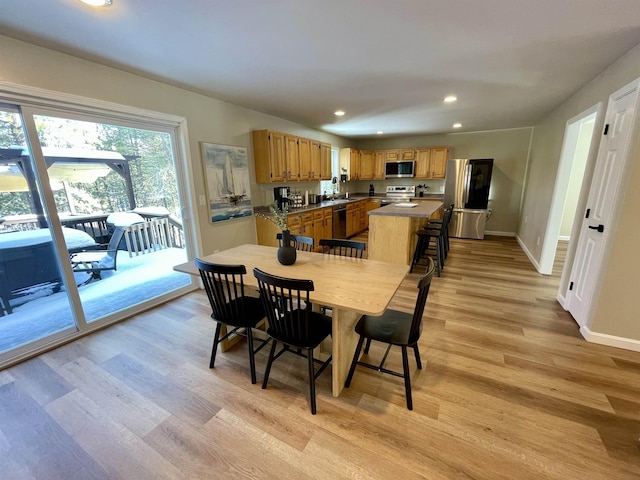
(423, 163)
(325, 161)
(327, 230)
(294, 223)
(439, 157)
(292, 157)
(304, 152)
(367, 164)
(316, 162)
(277, 157)
(318, 227)
(351, 220)
(379, 158)
(364, 218)
(306, 225)
(393, 155)
(408, 154)
(355, 164)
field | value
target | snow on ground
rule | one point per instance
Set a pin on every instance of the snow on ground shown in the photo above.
(137, 279)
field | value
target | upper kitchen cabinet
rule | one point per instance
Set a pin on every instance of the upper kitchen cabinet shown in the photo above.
(379, 157)
(367, 165)
(399, 155)
(305, 155)
(269, 156)
(431, 162)
(350, 161)
(280, 157)
(325, 161)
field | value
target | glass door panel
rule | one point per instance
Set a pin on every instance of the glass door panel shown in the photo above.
(34, 306)
(118, 198)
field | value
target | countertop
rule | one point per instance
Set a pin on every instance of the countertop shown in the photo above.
(351, 199)
(422, 209)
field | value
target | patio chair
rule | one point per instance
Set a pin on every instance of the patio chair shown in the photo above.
(97, 260)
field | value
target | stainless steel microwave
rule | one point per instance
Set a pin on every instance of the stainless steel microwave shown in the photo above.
(399, 169)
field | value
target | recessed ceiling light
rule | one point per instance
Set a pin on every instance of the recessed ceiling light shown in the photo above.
(450, 99)
(97, 3)
(457, 125)
(339, 113)
(379, 132)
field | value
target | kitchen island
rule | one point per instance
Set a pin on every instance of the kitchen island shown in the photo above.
(392, 229)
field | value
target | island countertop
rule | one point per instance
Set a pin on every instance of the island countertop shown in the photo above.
(423, 208)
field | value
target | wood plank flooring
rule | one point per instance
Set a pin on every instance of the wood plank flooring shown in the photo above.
(508, 390)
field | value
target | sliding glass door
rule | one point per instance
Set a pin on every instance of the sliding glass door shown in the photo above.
(91, 223)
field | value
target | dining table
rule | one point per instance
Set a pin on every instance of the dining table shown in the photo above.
(352, 287)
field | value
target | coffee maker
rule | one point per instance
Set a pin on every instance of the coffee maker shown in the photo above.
(281, 196)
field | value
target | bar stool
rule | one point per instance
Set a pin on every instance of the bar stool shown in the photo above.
(424, 241)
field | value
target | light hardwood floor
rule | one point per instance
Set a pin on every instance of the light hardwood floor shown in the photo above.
(508, 390)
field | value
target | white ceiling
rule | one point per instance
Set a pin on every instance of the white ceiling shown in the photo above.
(387, 63)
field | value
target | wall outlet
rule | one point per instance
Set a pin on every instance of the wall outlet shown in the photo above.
(538, 241)
(525, 219)
(203, 200)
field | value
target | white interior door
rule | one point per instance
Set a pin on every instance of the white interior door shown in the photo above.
(596, 226)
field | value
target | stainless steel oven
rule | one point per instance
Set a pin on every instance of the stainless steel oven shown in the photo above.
(340, 221)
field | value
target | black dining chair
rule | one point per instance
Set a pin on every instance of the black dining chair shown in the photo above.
(394, 328)
(299, 242)
(296, 328)
(230, 306)
(344, 248)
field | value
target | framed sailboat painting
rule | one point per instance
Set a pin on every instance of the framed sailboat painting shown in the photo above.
(226, 172)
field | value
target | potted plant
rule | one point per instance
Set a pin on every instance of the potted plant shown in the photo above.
(278, 216)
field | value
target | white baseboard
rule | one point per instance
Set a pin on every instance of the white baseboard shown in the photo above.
(565, 238)
(528, 254)
(610, 340)
(561, 299)
(500, 234)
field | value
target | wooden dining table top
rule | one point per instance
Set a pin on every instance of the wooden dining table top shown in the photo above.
(360, 285)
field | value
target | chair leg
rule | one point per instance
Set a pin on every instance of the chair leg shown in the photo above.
(407, 379)
(312, 381)
(214, 349)
(417, 254)
(252, 362)
(367, 345)
(417, 354)
(269, 362)
(354, 362)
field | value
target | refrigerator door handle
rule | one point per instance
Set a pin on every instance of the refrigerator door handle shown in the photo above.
(467, 182)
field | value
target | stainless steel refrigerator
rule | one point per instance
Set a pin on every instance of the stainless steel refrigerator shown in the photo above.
(466, 186)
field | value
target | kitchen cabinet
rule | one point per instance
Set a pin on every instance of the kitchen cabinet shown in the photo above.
(306, 224)
(325, 161)
(269, 156)
(350, 161)
(379, 159)
(367, 165)
(431, 162)
(304, 159)
(292, 158)
(364, 218)
(327, 229)
(353, 218)
(279, 157)
(439, 157)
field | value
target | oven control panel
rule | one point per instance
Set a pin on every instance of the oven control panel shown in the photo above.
(402, 191)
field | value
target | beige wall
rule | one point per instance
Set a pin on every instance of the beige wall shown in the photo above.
(208, 119)
(508, 148)
(618, 303)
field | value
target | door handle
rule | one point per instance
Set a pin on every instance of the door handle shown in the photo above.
(599, 228)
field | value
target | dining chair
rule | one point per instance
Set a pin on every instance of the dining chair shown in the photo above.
(230, 306)
(300, 242)
(296, 328)
(394, 328)
(344, 248)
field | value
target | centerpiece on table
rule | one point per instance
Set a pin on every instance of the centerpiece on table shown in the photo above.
(278, 216)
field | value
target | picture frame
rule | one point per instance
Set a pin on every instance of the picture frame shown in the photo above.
(226, 175)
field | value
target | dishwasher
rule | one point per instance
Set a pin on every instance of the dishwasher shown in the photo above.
(340, 221)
